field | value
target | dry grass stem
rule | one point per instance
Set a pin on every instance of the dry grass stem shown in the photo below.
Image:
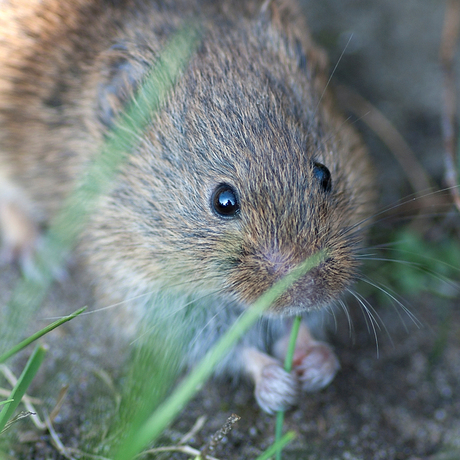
(6, 393)
(194, 430)
(184, 449)
(57, 443)
(449, 113)
(420, 181)
(60, 400)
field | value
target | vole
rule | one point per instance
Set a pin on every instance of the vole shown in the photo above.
(247, 169)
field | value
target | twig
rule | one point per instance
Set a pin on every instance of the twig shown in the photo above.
(4, 392)
(390, 136)
(56, 441)
(179, 447)
(194, 430)
(218, 435)
(60, 400)
(184, 449)
(448, 116)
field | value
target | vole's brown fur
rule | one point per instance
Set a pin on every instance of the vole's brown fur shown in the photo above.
(248, 111)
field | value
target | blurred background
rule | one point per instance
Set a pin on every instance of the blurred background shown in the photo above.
(398, 394)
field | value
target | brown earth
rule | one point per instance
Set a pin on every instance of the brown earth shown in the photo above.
(397, 396)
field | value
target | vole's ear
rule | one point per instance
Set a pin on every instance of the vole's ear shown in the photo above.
(121, 75)
(274, 11)
(287, 17)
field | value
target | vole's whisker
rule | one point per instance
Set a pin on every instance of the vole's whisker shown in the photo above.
(171, 313)
(336, 132)
(200, 332)
(417, 265)
(344, 308)
(332, 74)
(368, 314)
(393, 296)
(152, 292)
(371, 220)
(384, 259)
(411, 253)
(331, 311)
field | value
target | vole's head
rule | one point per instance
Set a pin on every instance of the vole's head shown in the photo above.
(284, 210)
(246, 172)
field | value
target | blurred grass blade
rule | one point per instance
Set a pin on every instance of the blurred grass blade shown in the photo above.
(32, 366)
(38, 334)
(97, 180)
(287, 368)
(277, 446)
(137, 439)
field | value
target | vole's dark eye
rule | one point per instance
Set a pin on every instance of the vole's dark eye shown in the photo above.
(323, 175)
(224, 201)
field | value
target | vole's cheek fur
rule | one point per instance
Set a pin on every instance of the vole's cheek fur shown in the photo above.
(248, 111)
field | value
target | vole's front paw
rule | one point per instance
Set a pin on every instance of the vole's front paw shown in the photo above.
(19, 235)
(21, 242)
(314, 362)
(276, 389)
(316, 366)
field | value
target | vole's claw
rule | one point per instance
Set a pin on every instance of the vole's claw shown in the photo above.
(317, 368)
(276, 389)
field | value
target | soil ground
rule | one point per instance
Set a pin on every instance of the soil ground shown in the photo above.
(397, 397)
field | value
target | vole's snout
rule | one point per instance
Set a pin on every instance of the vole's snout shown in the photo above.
(278, 264)
(308, 293)
(305, 294)
(259, 270)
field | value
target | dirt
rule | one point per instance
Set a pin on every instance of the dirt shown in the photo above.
(397, 395)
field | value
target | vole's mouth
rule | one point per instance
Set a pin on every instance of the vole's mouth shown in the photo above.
(307, 294)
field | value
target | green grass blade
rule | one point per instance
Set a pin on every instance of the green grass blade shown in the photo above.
(166, 412)
(39, 334)
(24, 381)
(287, 368)
(292, 340)
(277, 446)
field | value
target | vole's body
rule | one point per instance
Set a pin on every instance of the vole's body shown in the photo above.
(247, 112)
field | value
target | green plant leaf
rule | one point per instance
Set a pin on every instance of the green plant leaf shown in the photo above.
(287, 368)
(38, 334)
(277, 446)
(32, 366)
